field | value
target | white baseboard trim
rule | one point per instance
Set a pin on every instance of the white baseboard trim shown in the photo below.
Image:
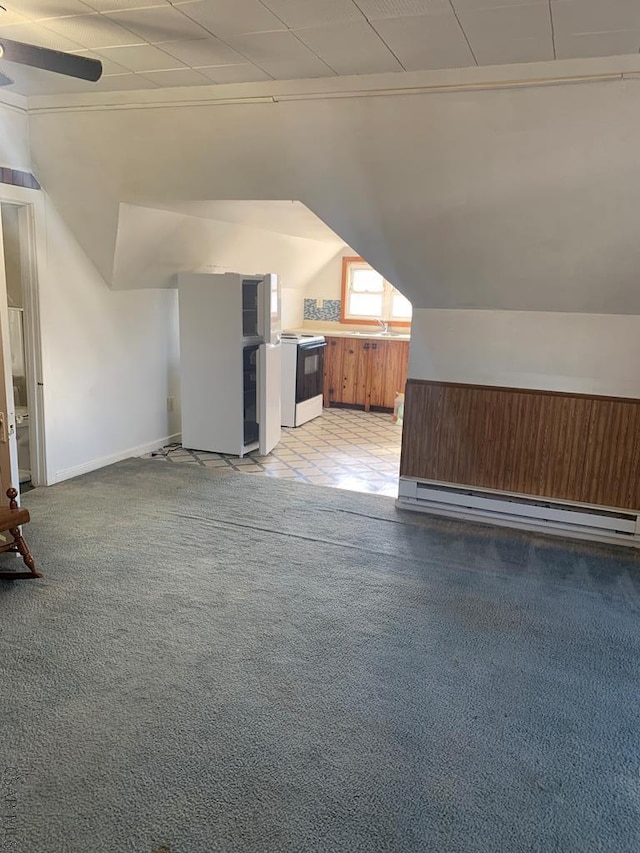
(95, 464)
(597, 524)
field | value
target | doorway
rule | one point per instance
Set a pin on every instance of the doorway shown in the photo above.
(21, 439)
(15, 307)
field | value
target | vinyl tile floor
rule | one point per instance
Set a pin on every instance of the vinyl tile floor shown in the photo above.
(344, 448)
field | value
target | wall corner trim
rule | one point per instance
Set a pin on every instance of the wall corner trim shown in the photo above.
(104, 461)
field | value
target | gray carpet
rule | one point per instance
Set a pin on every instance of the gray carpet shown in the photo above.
(230, 663)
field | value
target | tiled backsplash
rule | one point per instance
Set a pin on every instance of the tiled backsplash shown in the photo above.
(322, 309)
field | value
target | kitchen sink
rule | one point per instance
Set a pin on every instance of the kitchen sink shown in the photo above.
(378, 334)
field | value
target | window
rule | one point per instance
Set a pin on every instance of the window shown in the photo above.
(367, 297)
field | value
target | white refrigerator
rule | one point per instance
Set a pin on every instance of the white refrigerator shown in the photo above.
(230, 362)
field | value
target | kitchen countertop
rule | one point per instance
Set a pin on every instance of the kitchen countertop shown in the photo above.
(322, 329)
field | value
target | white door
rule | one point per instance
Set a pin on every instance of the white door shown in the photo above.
(269, 379)
(8, 443)
(272, 308)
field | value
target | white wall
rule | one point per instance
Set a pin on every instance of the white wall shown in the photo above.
(584, 353)
(14, 134)
(110, 360)
(111, 357)
(327, 283)
(153, 245)
(523, 202)
(521, 199)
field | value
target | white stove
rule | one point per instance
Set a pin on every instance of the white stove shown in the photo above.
(302, 377)
(301, 338)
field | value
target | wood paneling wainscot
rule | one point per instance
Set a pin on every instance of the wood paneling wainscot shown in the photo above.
(574, 447)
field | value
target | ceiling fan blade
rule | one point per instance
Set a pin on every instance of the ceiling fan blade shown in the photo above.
(4, 80)
(51, 60)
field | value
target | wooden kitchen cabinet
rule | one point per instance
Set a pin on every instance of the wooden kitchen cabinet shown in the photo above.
(388, 371)
(364, 372)
(345, 366)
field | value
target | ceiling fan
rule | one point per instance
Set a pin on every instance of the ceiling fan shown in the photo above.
(81, 67)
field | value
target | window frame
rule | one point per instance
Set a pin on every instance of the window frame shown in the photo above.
(362, 321)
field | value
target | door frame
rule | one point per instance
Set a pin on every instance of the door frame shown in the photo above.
(32, 235)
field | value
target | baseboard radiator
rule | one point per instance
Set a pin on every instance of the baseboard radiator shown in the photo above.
(581, 521)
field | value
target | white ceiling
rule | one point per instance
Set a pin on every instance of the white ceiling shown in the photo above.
(284, 217)
(165, 43)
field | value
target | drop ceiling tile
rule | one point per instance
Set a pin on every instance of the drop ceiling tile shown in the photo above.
(494, 26)
(41, 36)
(270, 47)
(108, 66)
(376, 10)
(208, 51)
(350, 48)
(474, 5)
(310, 13)
(597, 44)
(177, 77)
(36, 9)
(231, 17)
(33, 81)
(427, 42)
(124, 83)
(595, 16)
(9, 16)
(297, 69)
(158, 24)
(245, 73)
(91, 31)
(514, 50)
(119, 5)
(141, 57)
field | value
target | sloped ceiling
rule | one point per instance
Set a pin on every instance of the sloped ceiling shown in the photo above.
(290, 218)
(156, 243)
(520, 199)
(150, 44)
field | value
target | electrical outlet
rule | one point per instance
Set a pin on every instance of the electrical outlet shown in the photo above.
(170, 402)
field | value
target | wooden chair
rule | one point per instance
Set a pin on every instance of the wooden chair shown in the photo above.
(11, 518)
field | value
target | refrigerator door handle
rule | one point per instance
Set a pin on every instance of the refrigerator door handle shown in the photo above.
(259, 383)
(263, 317)
(271, 308)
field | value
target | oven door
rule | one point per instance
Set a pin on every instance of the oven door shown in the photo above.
(310, 370)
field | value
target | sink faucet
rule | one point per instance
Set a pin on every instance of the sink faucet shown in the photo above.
(384, 326)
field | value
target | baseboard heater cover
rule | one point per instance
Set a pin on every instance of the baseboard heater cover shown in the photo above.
(578, 520)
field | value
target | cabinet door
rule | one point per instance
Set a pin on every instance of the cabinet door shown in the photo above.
(345, 371)
(333, 358)
(388, 372)
(355, 366)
